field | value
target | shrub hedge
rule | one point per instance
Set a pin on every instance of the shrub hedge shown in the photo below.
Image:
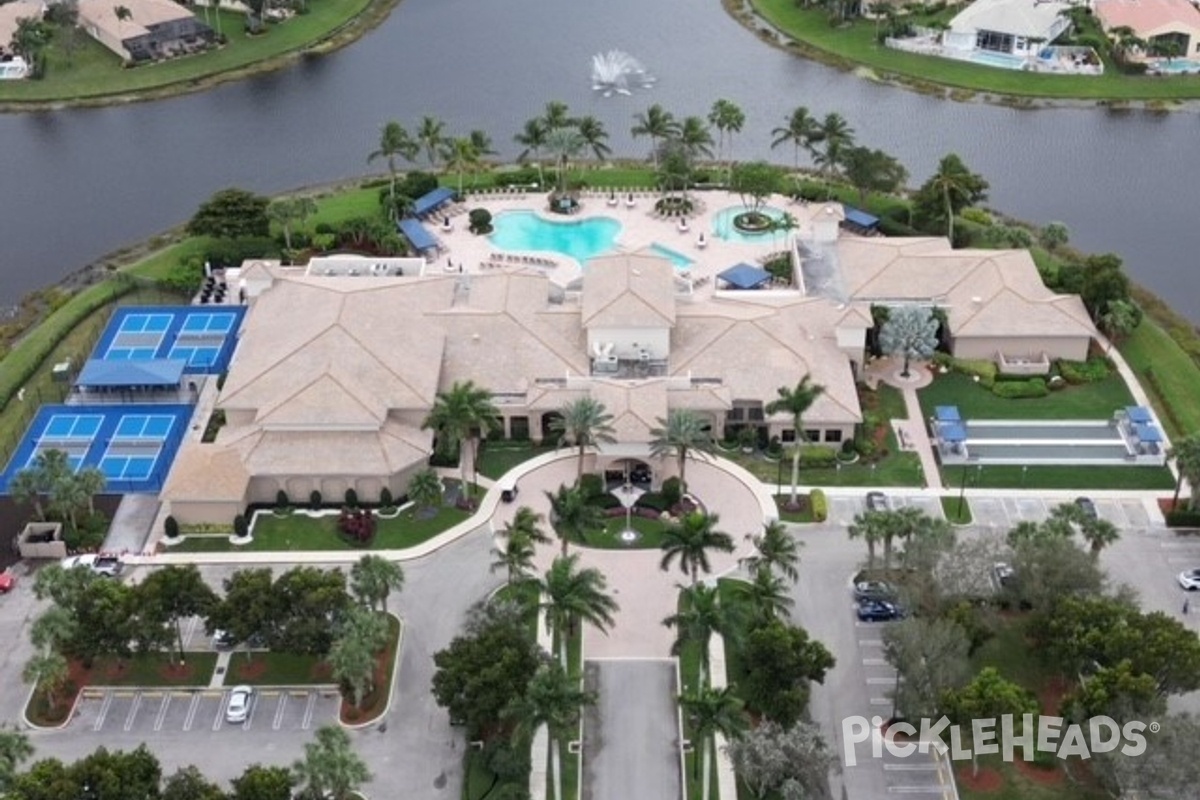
(1090, 371)
(1182, 518)
(1014, 390)
(819, 505)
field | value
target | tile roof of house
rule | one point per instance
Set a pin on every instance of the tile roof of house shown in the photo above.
(628, 290)
(143, 14)
(210, 472)
(1018, 17)
(1148, 17)
(11, 15)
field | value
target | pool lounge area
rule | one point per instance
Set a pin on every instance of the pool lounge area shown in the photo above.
(1131, 437)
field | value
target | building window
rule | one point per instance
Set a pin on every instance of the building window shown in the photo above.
(833, 435)
(812, 435)
(788, 436)
(735, 414)
(518, 428)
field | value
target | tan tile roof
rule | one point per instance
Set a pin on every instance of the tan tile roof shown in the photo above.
(143, 15)
(984, 292)
(10, 16)
(1149, 18)
(385, 451)
(629, 291)
(211, 472)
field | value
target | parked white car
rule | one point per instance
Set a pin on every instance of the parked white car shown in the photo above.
(105, 565)
(238, 709)
(1190, 579)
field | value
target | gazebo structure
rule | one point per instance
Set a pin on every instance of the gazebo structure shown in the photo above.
(745, 276)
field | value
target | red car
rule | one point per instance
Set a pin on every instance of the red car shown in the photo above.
(7, 582)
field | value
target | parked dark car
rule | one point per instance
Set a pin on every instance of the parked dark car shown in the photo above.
(509, 493)
(879, 611)
(639, 475)
(878, 501)
(1086, 507)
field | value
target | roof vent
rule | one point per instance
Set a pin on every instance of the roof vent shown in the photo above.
(977, 300)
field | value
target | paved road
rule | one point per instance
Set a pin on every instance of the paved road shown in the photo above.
(631, 735)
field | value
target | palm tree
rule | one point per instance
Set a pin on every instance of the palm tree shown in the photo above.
(521, 536)
(461, 156)
(957, 186)
(583, 422)
(557, 115)
(394, 141)
(796, 401)
(656, 123)
(695, 137)
(66, 498)
(431, 136)
(728, 118)
(1099, 534)
(47, 669)
(564, 144)
(572, 516)
(1186, 455)
(533, 138)
(776, 550)
(683, 433)
(571, 595)
(689, 539)
(802, 132)
(460, 416)
(768, 597)
(836, 136)
(482, 143)
(552, 698)
(701, 614)
(27, 486)
(373, 578)
(869, 526)
(425, 489)
(594, 136)
(122, 13)
(711, 711)
(288, 210)
(15, 749)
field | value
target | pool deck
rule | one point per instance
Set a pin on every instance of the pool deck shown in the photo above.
(640, 229)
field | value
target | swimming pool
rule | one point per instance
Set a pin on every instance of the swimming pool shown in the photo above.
(675, 257)
(1176, 65)
(580, 239)
(1004, 60)
(723, 225)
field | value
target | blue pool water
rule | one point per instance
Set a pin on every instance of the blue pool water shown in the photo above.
(580, 239)
(678, 259)
(1176, 65)
(1003, 60)
(723, 225)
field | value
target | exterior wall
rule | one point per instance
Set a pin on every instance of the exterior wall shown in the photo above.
(199, 512)
(1072, 348)
(107, 39)
(332, 487)
(629, 342)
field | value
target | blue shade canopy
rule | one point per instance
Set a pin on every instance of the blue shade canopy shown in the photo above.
(947, 414)
(745, 276)
(952, 432)
(1138, 414)
(428, 202)
(98, 373)
(860, 218)
(1147, 433)
(416, 234)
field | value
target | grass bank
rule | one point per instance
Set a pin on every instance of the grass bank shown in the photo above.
(92, 75)
(854, 44)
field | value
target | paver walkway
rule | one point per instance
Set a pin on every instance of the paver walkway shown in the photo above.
(911, 433)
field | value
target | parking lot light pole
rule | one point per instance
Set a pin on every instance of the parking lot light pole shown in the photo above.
(962, 491)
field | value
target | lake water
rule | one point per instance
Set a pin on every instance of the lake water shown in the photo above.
(79, 183)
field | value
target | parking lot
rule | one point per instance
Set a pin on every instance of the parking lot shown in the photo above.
(997, 512)
(159, 710)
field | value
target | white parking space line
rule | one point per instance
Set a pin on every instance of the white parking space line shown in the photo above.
(255, 700)
(881, 701)
(133, 711)
(220, 717)
(191, 715)
(283, 701)
(190, 630)
(308, 711)
(162, 712)
(882, 681)
(104, 704)
(870, 642)
(874, 662)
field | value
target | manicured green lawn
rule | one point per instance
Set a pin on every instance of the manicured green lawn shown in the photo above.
(651, 531)
(897, 469)
(855, 43)
(147, 669)
(94, 71)
(302, 532)
(499, 457)
(951, 506)
(1086, 401)
(1168, 375)
(1010, 476)
(281, 669)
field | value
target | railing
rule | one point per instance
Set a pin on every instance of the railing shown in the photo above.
(1023, 365)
